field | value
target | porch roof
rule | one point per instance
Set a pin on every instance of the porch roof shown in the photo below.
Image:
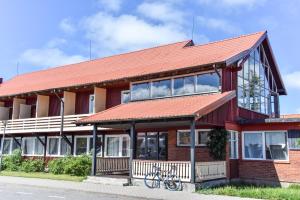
(175, 108)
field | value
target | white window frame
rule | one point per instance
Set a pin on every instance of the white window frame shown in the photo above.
(264, 145)
(10, 145)
(59, 147)
(236, 141)
(120, 136)
(88, 137)
(196, 137)
(93, 107)
(122, 95)
(34, 142)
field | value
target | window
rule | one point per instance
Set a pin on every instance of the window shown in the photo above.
(33, 146)
(10, 144)
(92, 103)
(265, 145)
(84, 145)
(276, 145)
(125, 96)
(184, 85)
(57, 146)
(117, 145)
(184, 139)
(208, 82)
(294, 139)
(234, 144)
(140, 91)
(161, 88)
(254, 90)
(7, 146)
(16, 144)
(253, 146)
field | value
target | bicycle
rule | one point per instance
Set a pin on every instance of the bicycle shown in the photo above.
(171, 181)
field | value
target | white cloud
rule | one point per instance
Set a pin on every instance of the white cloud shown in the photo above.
(113, 34)
(49, 57)
(110, 5)
(233, 3)
(56, 42)
(218, 24)
(292, 80)
(161, 11)
(67, 26)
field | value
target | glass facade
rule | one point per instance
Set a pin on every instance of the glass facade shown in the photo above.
(256, 84)
(186, 85)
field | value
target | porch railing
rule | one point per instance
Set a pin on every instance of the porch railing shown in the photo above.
(108, 165)
(210, 170)
(141, 167)
(44, 124)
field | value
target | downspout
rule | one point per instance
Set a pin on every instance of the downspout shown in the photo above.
(2, 142)
(62, 110)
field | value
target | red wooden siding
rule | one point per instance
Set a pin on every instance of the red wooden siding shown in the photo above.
(54, 106)
(113, 96)
(82, 102)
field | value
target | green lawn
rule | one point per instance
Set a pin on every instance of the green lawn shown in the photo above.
(273, 193)
(43, 176)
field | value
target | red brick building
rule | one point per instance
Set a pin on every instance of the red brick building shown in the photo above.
(157, 106)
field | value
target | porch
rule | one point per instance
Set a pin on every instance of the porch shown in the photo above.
(204, 171)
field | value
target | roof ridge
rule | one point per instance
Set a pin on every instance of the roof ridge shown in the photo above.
(227, 39)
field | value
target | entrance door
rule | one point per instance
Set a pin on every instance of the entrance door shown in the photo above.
(152, 146)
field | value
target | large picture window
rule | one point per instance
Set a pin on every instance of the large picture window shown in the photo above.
(265, 145)
(256, 84)
(161, 88)
(116, 145)
(184, 139)
(57, 146)
(32, 146)
(140, 91)
(208, 83)
(84, 145)
(184, 85)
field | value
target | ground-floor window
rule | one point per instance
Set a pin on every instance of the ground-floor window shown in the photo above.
(116, 146)
(10, 144)
(294, 139)
(265, 145)
(33, 146)
(84, 145)
(152, 145)
(184, 139)
(233, 141)
(57, 146)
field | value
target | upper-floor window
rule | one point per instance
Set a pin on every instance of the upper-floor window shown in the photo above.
(92, 103)
(185, 85)
(256, 84)
(125, 96)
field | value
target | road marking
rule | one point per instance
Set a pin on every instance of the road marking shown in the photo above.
(24, 193)
(57, 197)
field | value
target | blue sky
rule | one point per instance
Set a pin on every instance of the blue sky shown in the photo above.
(40, 34)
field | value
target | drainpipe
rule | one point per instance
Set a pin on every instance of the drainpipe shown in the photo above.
(2, 142)
(62, 110)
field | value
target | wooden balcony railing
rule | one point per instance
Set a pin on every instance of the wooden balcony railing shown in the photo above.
(210, 170)
(44, 124)
(142, 167)
(109, 165)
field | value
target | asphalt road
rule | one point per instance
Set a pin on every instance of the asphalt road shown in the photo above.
(21, 192)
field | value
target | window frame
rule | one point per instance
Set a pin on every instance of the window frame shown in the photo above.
(120, 136)
(88, 137)
(122, 96)
(196, 137)
(34, 143)
(59, 147)
(264, 145)
(93, 105)
(236, 141)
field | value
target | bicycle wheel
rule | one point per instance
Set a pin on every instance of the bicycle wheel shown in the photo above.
(173, 183)
(151, 180)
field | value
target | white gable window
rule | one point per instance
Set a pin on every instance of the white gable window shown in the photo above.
(92, 103)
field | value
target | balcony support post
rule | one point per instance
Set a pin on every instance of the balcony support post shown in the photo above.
(94, 161)
(132, 151)
(193, 162)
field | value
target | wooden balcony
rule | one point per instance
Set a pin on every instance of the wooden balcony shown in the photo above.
(44, 124)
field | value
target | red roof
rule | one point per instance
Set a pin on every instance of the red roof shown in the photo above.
(149, 61)
(187, 106)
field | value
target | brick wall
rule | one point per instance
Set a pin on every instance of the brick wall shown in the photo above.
(178, 153)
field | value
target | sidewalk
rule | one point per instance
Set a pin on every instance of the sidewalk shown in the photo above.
(133, 191)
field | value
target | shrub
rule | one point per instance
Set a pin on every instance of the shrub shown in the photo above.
(56, 166)
(217, 143)
(78, 166)
(13, 162)
(32, 165)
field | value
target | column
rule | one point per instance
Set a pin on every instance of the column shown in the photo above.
(94, 161)
(193, 123)
(132, 145)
